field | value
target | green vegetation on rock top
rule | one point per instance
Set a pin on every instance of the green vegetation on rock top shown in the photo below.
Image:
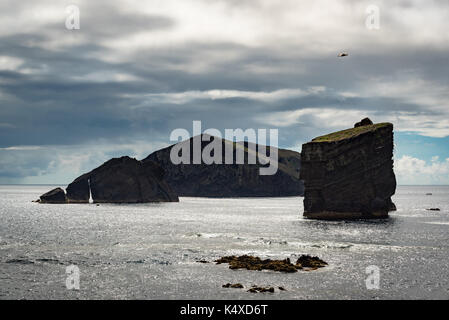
(349, 133)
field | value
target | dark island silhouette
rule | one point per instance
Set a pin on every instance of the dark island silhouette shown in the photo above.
(347, 175)
(119, 180)
(157, 179)
(231, 180)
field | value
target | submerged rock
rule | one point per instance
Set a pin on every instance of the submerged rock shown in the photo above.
(255, 263)
(234, 286)
(19, 261)
(282, 289)
(306, 261)
(256, 289)
(229, 180)
(202, 261)
(56, 195)
(349, 174)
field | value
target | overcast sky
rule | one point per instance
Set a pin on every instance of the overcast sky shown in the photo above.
(136, 70)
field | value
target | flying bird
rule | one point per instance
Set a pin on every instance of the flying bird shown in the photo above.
(343, 54)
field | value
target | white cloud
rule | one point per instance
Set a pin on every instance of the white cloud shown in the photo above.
(431, 121)
(217, 94)
(329, 118)
(410, 170)
(307, 28)
(10, 63)
(432, 98)
(298, 28)
(106, 76)
(21, 148)
(62, 164)
(422, 123)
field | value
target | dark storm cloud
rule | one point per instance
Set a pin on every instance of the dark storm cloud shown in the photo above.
(42, 105)
(77, 87)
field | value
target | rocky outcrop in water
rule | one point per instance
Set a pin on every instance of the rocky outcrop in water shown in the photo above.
(349, 174)
(79, 191)
(304, 262)
(233, 286)
(56, 195)
(231, 180)
(121, 180)
(157, 178)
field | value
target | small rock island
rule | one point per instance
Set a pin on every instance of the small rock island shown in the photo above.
(349, 174)
(56, 195)
(119, 180)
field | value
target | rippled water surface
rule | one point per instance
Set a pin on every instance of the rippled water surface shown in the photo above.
(150, 251)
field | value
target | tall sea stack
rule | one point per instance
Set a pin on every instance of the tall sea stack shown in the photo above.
(349, 174)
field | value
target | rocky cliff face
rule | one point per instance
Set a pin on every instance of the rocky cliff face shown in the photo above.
(231, 180)
(56, 195)
(120, 180)
(349, 174)
(157, 179)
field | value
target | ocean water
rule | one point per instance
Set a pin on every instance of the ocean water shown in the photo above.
(150, 251)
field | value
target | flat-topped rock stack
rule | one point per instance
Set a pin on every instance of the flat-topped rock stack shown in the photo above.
(349, 174)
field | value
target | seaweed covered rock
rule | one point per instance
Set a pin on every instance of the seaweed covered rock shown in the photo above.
(56, 195)
(233, 286)
(349, 174)
(122, 180)
(256, 263)
(306, 261)
(257, 289)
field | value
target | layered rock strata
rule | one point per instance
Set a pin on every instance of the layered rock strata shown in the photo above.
(349, 174)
